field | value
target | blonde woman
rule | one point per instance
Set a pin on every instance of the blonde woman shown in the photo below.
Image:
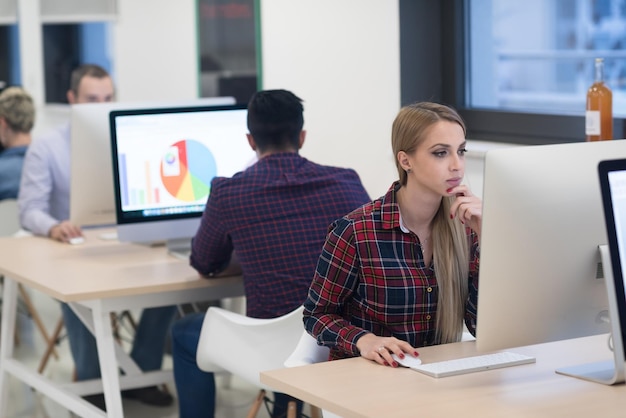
(401, 272)
(17, 117)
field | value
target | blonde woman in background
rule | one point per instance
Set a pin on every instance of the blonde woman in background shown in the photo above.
(401, 272)
(17, 117)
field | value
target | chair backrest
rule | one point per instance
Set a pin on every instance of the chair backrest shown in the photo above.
(307, 352)
(246, 346)
(9, 217)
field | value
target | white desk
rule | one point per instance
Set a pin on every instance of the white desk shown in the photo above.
(360, 388)
(96, 278)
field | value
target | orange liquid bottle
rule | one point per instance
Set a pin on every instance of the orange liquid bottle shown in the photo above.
(599, 113)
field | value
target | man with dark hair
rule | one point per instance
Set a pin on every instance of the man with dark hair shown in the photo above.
(44, 205)
(275, 120)
(89, 96)
(275, 216)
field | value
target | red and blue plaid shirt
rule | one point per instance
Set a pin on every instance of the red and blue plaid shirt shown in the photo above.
(371, 277)
(275, 215)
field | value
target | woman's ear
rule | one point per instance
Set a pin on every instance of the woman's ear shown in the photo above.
(403, 160)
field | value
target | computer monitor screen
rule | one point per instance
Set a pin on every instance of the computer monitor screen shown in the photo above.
(92, 200)
(163, 164)
(613, 188)
(542, 225)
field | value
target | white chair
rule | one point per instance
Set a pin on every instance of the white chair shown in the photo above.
(467, 336)
(245, 346)
(308, 352)
(9, 217)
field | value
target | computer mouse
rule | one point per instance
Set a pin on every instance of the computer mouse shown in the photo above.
(76, 240)
(408, 360)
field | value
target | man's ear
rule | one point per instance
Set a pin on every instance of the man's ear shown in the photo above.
(251, 142)
(71, 98)
(302, 138)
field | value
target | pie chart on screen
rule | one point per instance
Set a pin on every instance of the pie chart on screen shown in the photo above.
(187, 168)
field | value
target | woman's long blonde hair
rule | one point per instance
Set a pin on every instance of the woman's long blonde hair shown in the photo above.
(449, 239)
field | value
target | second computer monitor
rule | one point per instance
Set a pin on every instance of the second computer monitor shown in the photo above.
(542, 225)
(164, 161)
(92, 201)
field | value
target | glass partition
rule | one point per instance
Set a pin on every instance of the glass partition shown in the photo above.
(227, 48)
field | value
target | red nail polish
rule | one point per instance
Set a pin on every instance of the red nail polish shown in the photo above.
(449, 190)
(401, 355)
(386, 364)
(451, 216)
(395, 364)
(415, 353)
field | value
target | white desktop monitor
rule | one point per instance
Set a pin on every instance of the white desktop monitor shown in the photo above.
(92, 200)
(542, 225)
(163, 164)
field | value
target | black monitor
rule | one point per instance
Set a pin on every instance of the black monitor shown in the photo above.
(612, 175)
(92, 200)
(163, 164)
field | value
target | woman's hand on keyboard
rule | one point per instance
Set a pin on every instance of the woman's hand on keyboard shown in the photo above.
(379, 349)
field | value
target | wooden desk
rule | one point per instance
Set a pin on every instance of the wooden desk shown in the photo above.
(96, 278)
(360, 388)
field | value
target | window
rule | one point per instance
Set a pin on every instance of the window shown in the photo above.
(227, 43)
(518, 71)
(40, 45)
(9, 56)
(538, 55)
(65, 47)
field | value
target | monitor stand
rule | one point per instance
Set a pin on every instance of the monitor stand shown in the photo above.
(612, 371)
(179, 248)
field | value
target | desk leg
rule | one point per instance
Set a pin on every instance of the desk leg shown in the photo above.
(108, 364)
(124, 361)
(7, 343)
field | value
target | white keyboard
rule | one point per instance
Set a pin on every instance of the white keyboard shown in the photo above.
(180, 254)
(473, 364)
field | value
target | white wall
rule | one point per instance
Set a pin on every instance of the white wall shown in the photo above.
(154, 47)
(155, 50)
(343, 59)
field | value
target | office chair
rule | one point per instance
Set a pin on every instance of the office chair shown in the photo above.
(245, 347)
(308, 352)
(9, 217)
